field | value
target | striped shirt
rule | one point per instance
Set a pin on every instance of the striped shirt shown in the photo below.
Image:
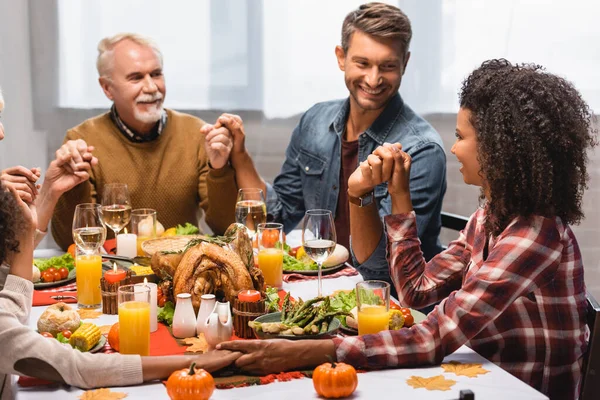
(522, 307)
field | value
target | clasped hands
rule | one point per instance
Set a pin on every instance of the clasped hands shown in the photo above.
(387, 163)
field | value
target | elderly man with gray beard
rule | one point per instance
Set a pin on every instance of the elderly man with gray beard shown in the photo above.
(159, 153)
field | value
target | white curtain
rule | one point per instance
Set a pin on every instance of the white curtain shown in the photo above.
(278, 55)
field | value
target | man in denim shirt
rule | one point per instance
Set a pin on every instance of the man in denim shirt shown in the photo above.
(333, 137)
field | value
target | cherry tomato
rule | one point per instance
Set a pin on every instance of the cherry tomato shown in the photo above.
(48, 276)
(161, 301)
(57, 276)
(64, 272)
(404, 310)
(394, 306)
(67, 334)
(47, 334)
(51, 269)
(270, 237)
(294, 251)
(409, 320)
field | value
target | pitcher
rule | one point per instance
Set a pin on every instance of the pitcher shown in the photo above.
(219, 325)
(206, 308)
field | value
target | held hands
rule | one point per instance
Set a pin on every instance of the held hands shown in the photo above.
(73, 163)
(226, 137)
(23, 181)
(388, 163)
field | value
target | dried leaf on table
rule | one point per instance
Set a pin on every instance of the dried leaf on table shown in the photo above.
(197, 344)
(437, 382)
(102, 394)
(470, 370)
(88, 314)
(104, 329)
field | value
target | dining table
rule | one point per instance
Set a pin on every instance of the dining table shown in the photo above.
(496, 384)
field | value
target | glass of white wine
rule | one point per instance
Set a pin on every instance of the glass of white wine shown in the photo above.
(89, 232)
(116, 206)
(250, 209)
(318, 238)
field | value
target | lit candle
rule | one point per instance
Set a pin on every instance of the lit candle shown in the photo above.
(115, 275)
(249, 296)
(153, 304)
(127, 244)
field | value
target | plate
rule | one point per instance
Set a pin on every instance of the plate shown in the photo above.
(276, 317)
(417, 315)
(98, 345)
(314, 272)
(46, 285)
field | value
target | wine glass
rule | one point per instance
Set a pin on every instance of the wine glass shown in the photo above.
(318, 237)
(250, 209)
(89, 232)
(116, 206)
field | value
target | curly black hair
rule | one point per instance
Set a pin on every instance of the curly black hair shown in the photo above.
(533, 131)
(10, 220)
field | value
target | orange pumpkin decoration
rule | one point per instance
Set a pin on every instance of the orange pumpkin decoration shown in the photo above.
(190, 384)
(334, 380)
(72, 250)
(113, 336)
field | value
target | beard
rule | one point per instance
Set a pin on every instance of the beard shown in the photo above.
(154, 111)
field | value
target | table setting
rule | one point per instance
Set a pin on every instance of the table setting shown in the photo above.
(194, 291)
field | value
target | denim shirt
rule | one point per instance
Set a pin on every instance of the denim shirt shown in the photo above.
(309, 177)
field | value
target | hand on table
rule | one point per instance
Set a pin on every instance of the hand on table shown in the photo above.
(23, 180)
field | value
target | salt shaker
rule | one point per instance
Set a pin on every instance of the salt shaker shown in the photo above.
(207, 304)
(184, 319)
(219, 325)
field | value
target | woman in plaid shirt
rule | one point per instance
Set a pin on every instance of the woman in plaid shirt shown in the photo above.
(511, 286)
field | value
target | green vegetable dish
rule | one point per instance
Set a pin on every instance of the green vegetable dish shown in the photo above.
(66, 260)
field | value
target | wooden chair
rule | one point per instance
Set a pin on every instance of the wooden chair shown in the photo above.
(590, 384)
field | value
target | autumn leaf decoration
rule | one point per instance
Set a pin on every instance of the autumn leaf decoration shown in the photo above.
(102, 394)
(88, 314)
(197, 344)
(437, 382)
(470, 370)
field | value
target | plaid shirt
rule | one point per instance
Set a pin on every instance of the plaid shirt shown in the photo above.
(522, 307)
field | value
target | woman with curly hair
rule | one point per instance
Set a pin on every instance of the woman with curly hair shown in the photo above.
(26, 352)
(511, 286)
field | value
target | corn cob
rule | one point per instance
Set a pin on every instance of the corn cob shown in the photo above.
(86, 337)
(396, 320)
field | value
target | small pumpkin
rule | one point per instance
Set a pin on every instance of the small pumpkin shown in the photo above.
(190, 384)
(334, 380)
(113, 336)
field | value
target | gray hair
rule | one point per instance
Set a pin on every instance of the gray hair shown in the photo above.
(106, 46)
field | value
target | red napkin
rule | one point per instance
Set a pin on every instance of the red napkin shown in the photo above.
(110, 245)
(162, 343)
(42, 298)
(348, 271)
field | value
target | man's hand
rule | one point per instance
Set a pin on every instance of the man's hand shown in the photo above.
(376, 169)
(23, 180)
(399, 182)
(218, 144)
(73, 163)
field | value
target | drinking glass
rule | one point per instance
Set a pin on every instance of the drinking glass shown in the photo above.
(116, 206)
(143, 224)
(270, 253)
(89, 232)
(88, 271)
(250, 209)
(318, 238)
(373, 303)
(134, 319)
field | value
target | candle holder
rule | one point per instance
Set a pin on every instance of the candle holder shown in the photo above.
(244, 312)
(109, 294)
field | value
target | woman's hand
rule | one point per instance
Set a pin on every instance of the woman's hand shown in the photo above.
(376, 169)
(23, 180)
(216, 359)
(73, 163)
(399, 184)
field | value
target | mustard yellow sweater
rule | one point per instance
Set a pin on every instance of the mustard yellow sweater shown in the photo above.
(170, 175)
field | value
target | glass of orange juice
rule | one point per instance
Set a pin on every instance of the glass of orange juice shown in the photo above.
(373, 303)
(270, 253)
(134, 319)
(88, 271)
(143, 225)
